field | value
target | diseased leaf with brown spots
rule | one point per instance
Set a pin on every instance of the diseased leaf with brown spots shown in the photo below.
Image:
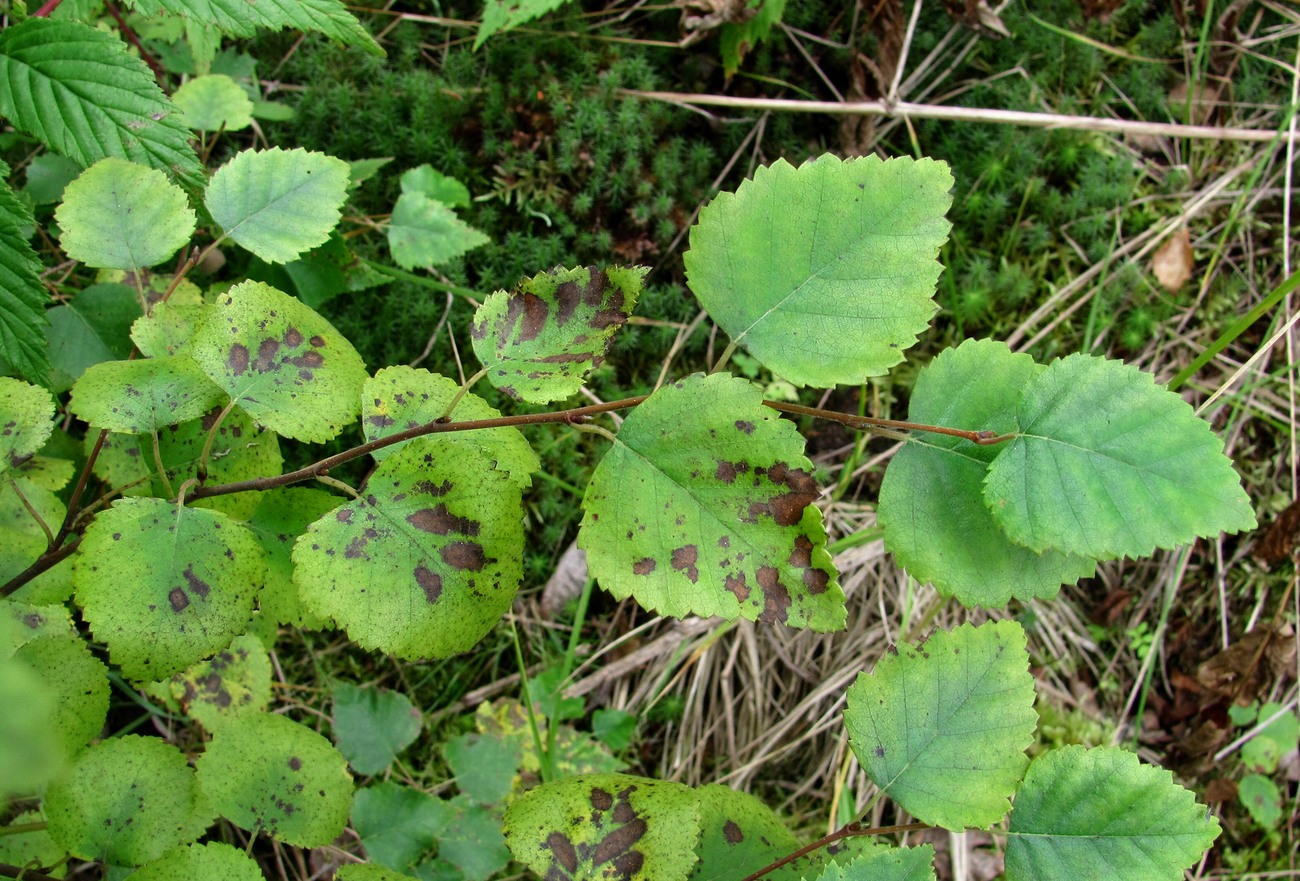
(26, 421)
(704, 507)
(614, 827)
(165, 586)
(230, 685)
(539, 341)
(281, 361)
(132, 397)
(425, 561)
(739, 835)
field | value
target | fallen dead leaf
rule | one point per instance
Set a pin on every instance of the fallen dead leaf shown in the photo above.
(1172, 265)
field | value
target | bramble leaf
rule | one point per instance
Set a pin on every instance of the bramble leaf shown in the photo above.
(80, 92)
(539, 341)
(22, 296)
(824, 272)
(931, 502)
(94, 327)
(165, 586)
(424, 232)
(135, 397)
(372, 725)
(739, 835)
(232, 684)
(240, 18)
(281, 361)
(210, 861)
(1109, 464)
(426, 561)
(737, 38)
(398, 398)
(962, 700)
(504, 15)
(267, 773)
(606, 825)
(214, 103)
(1092, 813)
(278, 203)
(704, 506)
(79, 683)
(127, 801)
(120, 215)
(26, 421)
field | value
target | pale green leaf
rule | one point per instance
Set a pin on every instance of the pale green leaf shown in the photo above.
(22, 539)
(942, 727)
(267, 773)
(397, 824)
(885, 864)
(240, 18)
(824, 272)
(164, 586)
(1100, 813)
(740, 835)
(26, 421)
(372, 725)
(1109, 464)
(704, 506)
(606, 825)
(504, 15)
(425, 232)
(133, 397)
(83, 94)
(1261, 797)
(539, 341)
(370, 872)
(22, 296)
(33, 846)
(34, 622)
(399, 398)
(28, 756)
(211, 861)
(48, 473)
(427, 180)
(278, 203)
(127, 801)
(281, 361)
(94, 327)
(78, 682)
(426, 561)
(931, 502)
(281, 516)
(120, 215)
(230, 685)
(214, 103)
(168, 329)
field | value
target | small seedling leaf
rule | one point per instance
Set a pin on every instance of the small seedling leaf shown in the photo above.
(425, 562)
(1093, 813)
(127, 801)
(119, 215)
(281, 361)
(606, 825)
(1262, 799)
(704, 506)
(165, 586)
(739, 835)
(26, 421)
(397, 824)
(267, 773)
(230, 685)
(372, 725)
(214, 103)
(846, 284)
(425, 232)
(134, 397)
(924, 714)
(1109, 464)
(931, 502)
(212, 861)
(540, 340)
(278, 203)
(79, 683)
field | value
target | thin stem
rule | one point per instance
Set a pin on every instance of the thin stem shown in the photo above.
(983, 438)
(596, 429)
(40, 566)
(158, 463)
(422, 281)
(23, 828)
(7, 870)
(40, 521)
(74, 503)
(202, 470)
(338, 485)
(724, 357)
(46, 8)
(460, 394)
(852, 830)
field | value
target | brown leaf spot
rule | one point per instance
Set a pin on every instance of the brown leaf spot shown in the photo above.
(815, 580)
(801, 556)
(343, 515)
(198, 585)
(430, 582)
(464, 555)
(563, 850)
(439, 521)
(618, 842)
(567, 297)
(380, 420)
(356, 548)
(317, 341)
(292, 337)
(295, 763)
(178, 599)
(724, 541)
(629, 864)
(745, 425)
(237, 360)
(726, 471)
(310, 359)
(429, 488)
(732, 833)
(601, 800)
(684, 560)
(776, 599)
(266, 355)
(736, 584)
(644, 566)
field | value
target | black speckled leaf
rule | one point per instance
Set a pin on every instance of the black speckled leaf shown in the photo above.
(229, 685)
(539, 341)
(739, 835)
(144, 395)
(26, 421)
(704, 506)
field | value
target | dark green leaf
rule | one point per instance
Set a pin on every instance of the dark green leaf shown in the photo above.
(397, 824)
(485, 766)
(22, 296)
(241, 19)
(372, 725)
(94, 327)
(473, 841)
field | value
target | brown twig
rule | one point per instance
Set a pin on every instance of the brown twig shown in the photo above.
(852, 830)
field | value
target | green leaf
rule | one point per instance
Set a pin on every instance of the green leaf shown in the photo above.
(942, 727)
(425, 562)
(539, 341)
(614, 728)
(885, 864)
(78, 682)
(931, 502)
(398, 398)
(22, 296)
(214, 103)
(369, 872)
(546, 693)
(231, 685)
(211, 861)
(282, 515)
(22, 539)
(845, 285)
(34, 847)
(120, 215)
(26, 421)
(740, 835)
(28, 756)
(1109, 464)
(484, 766)
(267, 773)
(372, 725)
(1262, 799)
(81, 93)
(168, 329)
(278, 203)
(94, 327)
(323, 273)
(1264, 751)
(398, 824)
(473, 841)
(504, 15)
(164, 586)
(737, 39)
(282, 362)
(606, 825)
(47, 176)
(127, 801)
(704, 506)
(34, 622)
(133, 397)
(1094, 813)
(241, 19)
(428, 181)
(425, 232)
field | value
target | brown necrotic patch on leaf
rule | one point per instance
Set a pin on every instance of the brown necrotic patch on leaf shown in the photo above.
(644, 566)
(430, 582)
(439, 521)
(266, 352)
(343, 515)
(237, 359)
(619, 842)
(737, 586)
(293, 337)
(464, 555)
(744, 425)
(178, 599)
(309, 359)
(601, 799)
(685, 559)
(732, 833)
(562, 849)
(776, 599)
(196, 584)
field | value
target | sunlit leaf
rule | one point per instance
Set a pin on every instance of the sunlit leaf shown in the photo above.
(230, 685)
(34, 622)
(211, 861)
(120, 215)
(168, 329)
(214, 103)
(26, 421)
(144, 395)
(429, 181)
